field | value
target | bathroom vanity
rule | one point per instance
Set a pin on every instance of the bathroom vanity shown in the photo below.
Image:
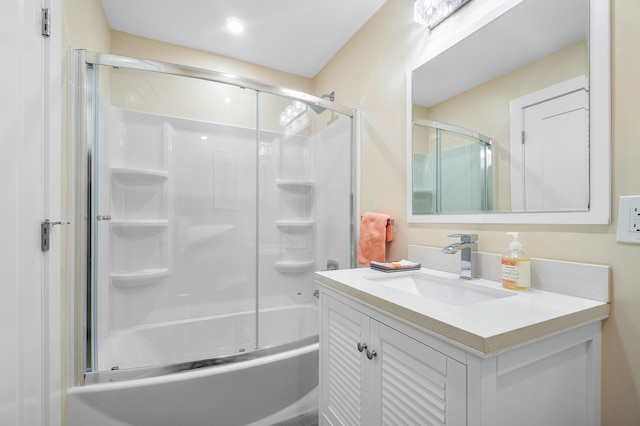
(426, 348)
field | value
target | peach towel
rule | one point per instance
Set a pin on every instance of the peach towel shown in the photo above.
(375, 231)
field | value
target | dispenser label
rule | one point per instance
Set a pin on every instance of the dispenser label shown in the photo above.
(516, 273)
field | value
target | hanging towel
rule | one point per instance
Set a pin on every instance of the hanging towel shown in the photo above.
(375, 231)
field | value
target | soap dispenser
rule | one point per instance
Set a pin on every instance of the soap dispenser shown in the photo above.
(516, 266)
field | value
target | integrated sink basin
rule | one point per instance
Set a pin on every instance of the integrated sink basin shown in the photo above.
(449, 291)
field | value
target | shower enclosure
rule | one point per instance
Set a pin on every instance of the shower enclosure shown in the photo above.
(452, 169)
(205, 203)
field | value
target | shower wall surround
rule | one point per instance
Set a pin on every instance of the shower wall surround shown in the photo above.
(181, 197)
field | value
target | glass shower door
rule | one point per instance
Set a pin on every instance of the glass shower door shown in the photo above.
(174, 219)
(305, 157)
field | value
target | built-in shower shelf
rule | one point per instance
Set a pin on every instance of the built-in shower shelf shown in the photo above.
(294, 265)
(295, 185)
(207, 232)
(133, 176)
(297, 247)
(143, 223)
(138, 278)
(294, 224)
(133, 228)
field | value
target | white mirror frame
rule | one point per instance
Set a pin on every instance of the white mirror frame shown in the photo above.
(599, 128)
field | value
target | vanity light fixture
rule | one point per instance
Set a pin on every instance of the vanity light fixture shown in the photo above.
(432, 12)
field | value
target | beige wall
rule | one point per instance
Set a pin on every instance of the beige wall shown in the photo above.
(85, 26)
(140, 47)
(370, 74)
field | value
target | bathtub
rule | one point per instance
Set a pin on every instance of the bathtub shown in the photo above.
(254, 388)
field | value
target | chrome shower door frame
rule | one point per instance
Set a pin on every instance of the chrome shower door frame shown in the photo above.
(84, 136)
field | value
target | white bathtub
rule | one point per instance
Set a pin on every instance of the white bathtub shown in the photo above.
(205, 337)
(277, 385)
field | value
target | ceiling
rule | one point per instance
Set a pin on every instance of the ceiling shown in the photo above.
(295, 36)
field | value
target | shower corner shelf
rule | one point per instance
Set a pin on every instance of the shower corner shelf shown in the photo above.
(294, 266)
(135, 176)
(139, 278)
(294, 224)
(140, 223)
(207, 232)
(137, 228)
(295, 185)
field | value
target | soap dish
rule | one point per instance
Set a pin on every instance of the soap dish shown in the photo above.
(403, 265)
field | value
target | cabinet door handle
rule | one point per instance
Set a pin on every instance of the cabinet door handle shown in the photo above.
(371, 354)
(361, 346)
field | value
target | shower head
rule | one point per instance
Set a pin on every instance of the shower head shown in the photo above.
(331, 96)
(317, 108)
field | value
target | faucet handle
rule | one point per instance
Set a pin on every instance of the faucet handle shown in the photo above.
(465, 238)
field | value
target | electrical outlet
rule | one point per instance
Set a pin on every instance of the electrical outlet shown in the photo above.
(628, 228)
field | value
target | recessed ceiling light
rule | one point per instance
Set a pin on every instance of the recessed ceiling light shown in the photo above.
(234, 25)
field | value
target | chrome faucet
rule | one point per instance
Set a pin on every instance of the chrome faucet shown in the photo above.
(469, 247)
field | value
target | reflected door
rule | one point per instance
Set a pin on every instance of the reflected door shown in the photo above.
(549, 149)
(555, 135)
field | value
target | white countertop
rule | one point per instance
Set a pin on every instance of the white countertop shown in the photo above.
(484, 328)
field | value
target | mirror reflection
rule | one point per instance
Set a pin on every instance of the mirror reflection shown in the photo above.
(452, 169)
(500, 119)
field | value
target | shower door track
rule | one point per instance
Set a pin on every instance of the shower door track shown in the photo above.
(161, 370)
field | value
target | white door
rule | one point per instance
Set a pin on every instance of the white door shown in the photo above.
(29, 353)
(556, 141)
(549, 148)
(343, 370)
(417, 384)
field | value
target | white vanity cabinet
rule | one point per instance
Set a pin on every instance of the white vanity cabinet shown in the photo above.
(419, 377)
(373, 374)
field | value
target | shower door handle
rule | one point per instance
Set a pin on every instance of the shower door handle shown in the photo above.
(103, 217)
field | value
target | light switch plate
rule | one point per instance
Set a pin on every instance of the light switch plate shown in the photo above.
(628, 230)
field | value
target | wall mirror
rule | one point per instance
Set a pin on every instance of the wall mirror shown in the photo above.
(509, 116)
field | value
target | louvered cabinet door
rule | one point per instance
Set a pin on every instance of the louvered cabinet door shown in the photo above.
(343, 377)
(418, 385)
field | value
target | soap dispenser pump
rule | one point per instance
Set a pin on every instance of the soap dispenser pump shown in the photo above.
(516, 266)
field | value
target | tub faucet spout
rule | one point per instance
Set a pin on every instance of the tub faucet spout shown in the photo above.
(468, 248)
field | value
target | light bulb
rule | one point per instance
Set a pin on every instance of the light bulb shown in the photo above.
(234, 25)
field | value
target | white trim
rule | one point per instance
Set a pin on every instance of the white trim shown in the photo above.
(52, 187)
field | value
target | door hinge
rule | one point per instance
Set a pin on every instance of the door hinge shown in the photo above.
(45, 232)
(522, 137)
(46, 23)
